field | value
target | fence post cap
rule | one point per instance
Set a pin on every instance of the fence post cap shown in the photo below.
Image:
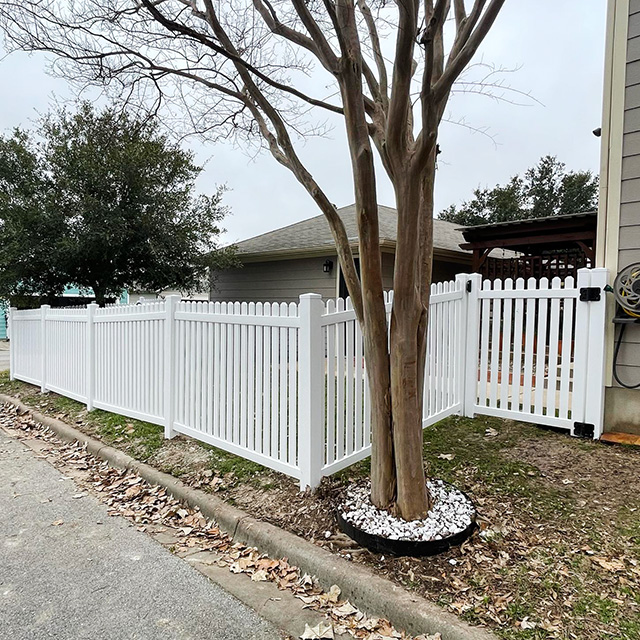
(310, 295)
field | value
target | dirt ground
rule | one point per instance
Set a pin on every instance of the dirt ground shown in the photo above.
(557, 554)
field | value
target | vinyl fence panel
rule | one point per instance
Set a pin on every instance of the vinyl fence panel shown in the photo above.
(285, 385)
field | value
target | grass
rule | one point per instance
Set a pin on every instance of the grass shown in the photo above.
(141, 440)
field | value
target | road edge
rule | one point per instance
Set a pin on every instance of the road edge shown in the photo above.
(368, 591)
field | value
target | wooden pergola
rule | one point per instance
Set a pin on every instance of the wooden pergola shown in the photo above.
(536, 247)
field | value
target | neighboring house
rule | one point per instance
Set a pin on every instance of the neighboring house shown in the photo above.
(3, 320)
(619, 211)
(281, 265)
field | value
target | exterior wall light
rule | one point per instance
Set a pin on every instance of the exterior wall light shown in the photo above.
(327, 266)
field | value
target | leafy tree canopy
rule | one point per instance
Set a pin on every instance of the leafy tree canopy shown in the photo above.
(547, 189)
(102, 200)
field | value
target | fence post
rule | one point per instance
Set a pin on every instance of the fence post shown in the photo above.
(12, 343)
(471, 345)
(90, 366)
(43, 340)
(595, 353)
(311, 385)
(578, 395)
(170, 303)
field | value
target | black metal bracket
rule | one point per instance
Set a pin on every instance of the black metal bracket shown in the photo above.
(590, 294)
(469, 287)
(583, 430)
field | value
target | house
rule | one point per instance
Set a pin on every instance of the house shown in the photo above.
(618, 243)
(301, 258)
(3, 320)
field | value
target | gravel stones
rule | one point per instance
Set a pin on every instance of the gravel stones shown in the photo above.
(452, 513)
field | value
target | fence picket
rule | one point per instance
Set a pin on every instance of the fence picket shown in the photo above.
(567, 351)
(541, 335)
(496, 318)
(554, 329)
(518, 341)
(505, 363)
(484, 346)
(528, 347)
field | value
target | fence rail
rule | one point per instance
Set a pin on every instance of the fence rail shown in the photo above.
(285, 385)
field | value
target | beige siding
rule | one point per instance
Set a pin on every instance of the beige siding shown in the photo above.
(286, 280)
(629, 240)
(443, 271)
(276, 281)
(629, 215)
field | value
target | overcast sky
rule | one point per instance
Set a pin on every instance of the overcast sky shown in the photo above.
(557, 47)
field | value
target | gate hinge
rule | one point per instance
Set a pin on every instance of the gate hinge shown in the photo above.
(469, 287)
(583, 429)
(590, 294)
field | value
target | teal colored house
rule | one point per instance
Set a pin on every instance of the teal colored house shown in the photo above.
(69, 292)
(3, 320)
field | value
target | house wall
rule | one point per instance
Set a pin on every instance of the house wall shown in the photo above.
(443, 270)
(286, 280)
(275, 281)
(629, 233)
(619, 210)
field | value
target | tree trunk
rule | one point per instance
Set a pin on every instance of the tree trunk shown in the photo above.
(99, 295)
(407, 323)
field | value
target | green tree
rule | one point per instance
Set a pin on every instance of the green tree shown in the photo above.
(105, 202)
(547, 189)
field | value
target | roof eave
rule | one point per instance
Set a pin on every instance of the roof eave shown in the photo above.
(329, 250)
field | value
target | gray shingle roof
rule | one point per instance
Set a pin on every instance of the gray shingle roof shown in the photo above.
(314, 234)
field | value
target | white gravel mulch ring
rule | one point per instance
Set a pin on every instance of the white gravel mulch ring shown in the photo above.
(452, 513)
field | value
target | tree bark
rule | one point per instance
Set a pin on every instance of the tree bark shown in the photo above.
(383, 479)
(407, 321)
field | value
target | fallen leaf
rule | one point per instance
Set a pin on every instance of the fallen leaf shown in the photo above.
(259, 576)
(525, 623)
(319, 632)
(612, 565)
(490, 432)
(334, 593)
(446, 456)
(344, 610)
(57, 523)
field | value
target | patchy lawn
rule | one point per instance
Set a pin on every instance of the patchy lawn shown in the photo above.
(558, 554)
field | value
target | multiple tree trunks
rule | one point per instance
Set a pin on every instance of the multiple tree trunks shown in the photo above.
(400, 118)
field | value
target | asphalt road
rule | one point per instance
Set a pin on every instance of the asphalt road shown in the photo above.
(96, 577)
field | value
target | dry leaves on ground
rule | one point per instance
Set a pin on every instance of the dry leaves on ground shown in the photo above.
(151, 508)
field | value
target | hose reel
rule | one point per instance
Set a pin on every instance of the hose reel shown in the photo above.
(626, 289)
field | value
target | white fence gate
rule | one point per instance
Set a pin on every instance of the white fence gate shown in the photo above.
(285, 385)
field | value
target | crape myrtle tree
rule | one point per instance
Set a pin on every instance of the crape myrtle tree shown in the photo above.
(240, 65)
(104, 201)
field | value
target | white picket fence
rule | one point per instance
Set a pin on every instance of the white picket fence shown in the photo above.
(285, 385)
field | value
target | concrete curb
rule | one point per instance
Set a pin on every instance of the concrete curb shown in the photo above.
(371, 593)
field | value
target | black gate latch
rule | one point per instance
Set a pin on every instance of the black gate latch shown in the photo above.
(590, 294)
